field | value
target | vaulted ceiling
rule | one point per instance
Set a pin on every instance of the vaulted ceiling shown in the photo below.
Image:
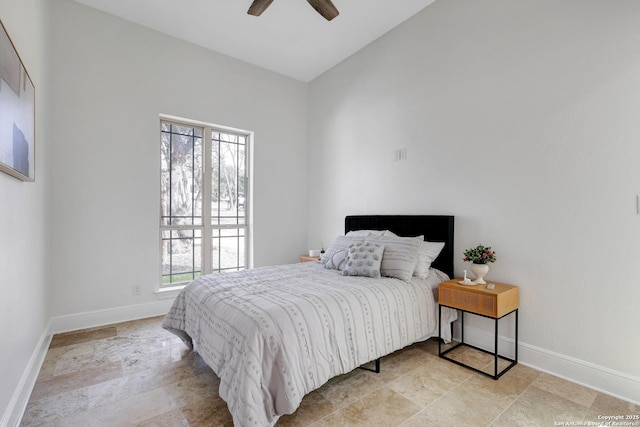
(290, 37)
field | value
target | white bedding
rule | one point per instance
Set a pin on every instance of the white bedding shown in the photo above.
(274, 334)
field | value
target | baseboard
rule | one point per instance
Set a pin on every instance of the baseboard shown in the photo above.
(14, 412)
(604, 380)
(90, 319)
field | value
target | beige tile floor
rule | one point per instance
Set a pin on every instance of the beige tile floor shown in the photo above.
(137, 374)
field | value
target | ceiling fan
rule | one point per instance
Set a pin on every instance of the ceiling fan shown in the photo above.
(323, 7)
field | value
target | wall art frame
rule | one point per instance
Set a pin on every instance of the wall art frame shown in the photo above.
(17, 113)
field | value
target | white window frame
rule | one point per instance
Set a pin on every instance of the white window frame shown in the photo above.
(168, 291)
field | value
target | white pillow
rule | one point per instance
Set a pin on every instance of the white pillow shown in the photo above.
(400, 255)
(341, 243)
(364, 259)
(337, 260)
(364, 233)
(428, 252)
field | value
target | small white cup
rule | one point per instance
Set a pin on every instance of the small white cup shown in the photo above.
(314, 252)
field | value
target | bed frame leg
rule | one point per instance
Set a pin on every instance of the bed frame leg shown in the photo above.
(376, 369)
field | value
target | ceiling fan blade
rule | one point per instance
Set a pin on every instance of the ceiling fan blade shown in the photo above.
(325, 8)
(258, 6)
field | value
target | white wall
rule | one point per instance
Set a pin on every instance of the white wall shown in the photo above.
(522, 119)
(24, 218)
(111, 80)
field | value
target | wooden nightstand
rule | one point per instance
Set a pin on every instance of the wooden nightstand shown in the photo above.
(494, 303)
(307, 258)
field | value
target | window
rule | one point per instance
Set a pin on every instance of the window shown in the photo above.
(204, 200)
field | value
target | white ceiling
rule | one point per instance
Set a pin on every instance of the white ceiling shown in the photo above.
(290, 37)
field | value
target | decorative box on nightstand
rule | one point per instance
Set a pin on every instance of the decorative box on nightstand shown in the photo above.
(494, 303)
(307, 258)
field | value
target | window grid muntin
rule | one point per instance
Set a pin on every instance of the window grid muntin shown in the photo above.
(237, 145)
(238, 221)
(240, 250)
(168, 217)
(195, 269)
(240, 144)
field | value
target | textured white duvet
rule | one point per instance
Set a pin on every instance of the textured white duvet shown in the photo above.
(274, 334)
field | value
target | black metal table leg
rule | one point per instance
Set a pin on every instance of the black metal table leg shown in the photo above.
(496, 375)
(495, 351)
(440, 330)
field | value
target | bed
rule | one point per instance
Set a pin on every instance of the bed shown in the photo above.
(274, 334)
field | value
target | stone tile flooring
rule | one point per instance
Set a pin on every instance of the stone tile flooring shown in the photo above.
(137, 374)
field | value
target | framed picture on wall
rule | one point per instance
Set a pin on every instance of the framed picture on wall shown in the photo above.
(17, 113)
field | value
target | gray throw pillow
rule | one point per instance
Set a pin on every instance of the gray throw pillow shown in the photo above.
(364, 259)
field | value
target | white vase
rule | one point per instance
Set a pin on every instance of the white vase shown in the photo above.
(479, 270)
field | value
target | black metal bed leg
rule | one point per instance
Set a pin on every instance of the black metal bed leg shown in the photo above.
(376, 368)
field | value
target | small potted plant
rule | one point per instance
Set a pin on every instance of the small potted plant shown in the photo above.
(480, 257)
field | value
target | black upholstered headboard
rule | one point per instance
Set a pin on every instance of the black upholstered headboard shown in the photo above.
(434, 228)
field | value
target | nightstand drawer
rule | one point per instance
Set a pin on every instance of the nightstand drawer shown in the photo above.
(496, 302)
